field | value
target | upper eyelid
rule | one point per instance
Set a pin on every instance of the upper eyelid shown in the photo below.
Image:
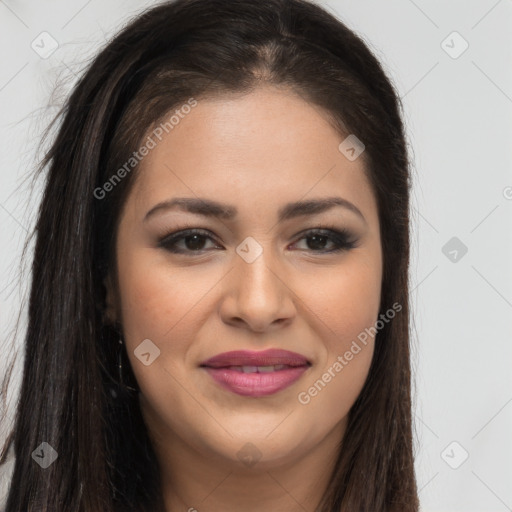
(207, 232)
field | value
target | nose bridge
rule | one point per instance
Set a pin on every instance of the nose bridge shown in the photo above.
(256, 270)
(259, 272)
(257, 292)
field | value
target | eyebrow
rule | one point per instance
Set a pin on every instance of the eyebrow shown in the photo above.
(210, 208)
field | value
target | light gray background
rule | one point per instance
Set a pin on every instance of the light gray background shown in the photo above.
(458, 116)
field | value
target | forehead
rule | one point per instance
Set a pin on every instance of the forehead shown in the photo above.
(269, 146)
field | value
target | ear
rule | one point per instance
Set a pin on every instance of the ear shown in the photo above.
(110, 312)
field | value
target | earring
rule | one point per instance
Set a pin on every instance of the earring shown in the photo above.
(120, 368)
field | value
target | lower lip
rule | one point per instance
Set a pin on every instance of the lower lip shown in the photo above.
(256, 384)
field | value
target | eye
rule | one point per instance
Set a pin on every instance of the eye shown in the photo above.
(193, 240)
(340, 240)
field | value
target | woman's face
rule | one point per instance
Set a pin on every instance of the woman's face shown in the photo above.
(249, 282)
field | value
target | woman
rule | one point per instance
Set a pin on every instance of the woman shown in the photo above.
(219, 313)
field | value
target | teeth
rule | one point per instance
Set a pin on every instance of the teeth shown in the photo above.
(265, 369)
(249, 369)
(258, 369)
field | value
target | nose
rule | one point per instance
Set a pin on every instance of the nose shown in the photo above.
(258, 296)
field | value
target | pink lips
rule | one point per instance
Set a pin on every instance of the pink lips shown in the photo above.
(256, 374)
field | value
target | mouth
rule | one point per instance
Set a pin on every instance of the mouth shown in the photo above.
(256, 374)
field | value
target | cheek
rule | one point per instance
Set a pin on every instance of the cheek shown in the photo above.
(346, 298)
(156, 299)
(165, 305)
(346, 305)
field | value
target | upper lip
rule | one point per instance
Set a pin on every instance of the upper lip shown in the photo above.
(268, 357)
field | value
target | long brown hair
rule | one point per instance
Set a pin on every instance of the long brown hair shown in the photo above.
(69, 394)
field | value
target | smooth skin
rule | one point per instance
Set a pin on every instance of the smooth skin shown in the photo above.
(255, 152)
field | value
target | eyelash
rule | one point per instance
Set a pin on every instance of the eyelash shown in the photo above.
(342, 239)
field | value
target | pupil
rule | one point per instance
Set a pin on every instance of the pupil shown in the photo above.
(316, 238)
(197, 242)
